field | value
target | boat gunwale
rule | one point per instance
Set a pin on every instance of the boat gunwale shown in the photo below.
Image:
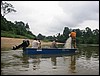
(53, 48)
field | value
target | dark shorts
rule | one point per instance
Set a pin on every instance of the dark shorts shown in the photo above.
(74, 40)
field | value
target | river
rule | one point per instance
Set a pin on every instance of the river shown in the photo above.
(86, 62)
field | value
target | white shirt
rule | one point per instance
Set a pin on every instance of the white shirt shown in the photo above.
(35, 44)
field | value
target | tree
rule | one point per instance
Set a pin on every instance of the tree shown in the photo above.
(88, 32)
(7, 8)
(66, 32)
(96, 36)
(27, 27)
(40, 36)
(78, 32)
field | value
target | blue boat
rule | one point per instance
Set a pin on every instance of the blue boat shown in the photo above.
(32, 51)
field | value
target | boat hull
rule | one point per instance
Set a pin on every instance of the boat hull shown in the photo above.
(32, 51)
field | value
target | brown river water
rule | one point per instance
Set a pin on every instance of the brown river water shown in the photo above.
(86, 62)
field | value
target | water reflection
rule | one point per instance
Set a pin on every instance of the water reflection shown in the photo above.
(73, 64)
(32, 62)
(54, 62)
(88, 52)
(36, 63)
(25, 62)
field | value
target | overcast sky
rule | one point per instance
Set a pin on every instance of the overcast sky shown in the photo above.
(50, 17)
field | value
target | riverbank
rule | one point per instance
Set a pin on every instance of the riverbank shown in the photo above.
(8, 43)
(89, 45)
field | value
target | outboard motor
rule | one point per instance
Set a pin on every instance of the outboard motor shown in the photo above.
(23, 45)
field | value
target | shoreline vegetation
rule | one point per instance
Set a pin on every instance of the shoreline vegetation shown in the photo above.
(20, 29)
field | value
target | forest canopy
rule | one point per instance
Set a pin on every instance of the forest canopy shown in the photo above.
(22, 30)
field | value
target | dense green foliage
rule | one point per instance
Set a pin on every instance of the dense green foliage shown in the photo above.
(15, 30)
(86, 36)
(21, 30)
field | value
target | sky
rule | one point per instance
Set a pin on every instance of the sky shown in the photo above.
(50, 17)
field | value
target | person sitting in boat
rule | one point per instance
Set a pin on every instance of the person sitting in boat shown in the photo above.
(36, 43)
(54, 45)
(73, 36)
(39, 44)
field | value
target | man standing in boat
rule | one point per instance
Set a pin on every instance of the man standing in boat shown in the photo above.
(54, 45)
(73, 36)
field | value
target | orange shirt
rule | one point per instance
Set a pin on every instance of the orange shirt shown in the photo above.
(73, 34)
